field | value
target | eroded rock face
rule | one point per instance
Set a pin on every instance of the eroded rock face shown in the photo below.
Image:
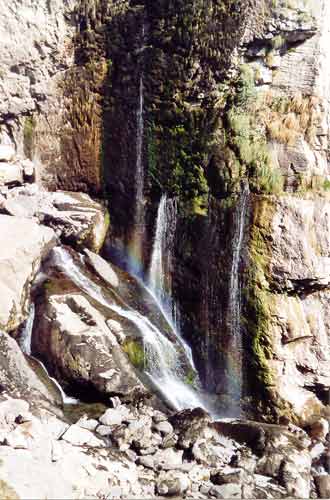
(72, 338)
(295, 284)
(26, 243)
(75, 217)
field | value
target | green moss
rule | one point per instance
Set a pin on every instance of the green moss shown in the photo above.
(135, 352)
(258, 298)
(190, 377)
(247, 138)
(28, 136)
(176, 164)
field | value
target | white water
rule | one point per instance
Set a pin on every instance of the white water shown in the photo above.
(67, 400)
(162, 362)
(161, 267)
(163, 357)
(25, 344)
(138, 232)
(26, 336)
(234, 305)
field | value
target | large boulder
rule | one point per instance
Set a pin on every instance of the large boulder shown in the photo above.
(73, 340)
(75, 217)
(25, 243)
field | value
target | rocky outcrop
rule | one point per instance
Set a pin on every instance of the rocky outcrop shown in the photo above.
(293, 283)
(26, 243)
(76, 219)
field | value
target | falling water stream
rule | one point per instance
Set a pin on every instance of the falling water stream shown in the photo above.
(161, 267)
(234, 303)
(165, 360)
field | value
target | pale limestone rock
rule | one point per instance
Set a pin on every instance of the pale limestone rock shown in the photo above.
(163, 427)
(75, 217)
(299, 246)
(11, 173)
(16, 439)
(104, 430)
(26, 244)
(57, 452)
(86, 423)
(7, 152)
(227, 491)
(19, 380)
(36, 49)
(78, 436)
(103, 268)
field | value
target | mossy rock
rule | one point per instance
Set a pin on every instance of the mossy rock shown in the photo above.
(135, 353)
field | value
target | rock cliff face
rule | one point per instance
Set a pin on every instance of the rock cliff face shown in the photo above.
(231, 92)
(224, 107)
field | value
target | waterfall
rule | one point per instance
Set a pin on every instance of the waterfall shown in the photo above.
(161, 267)
(160, 273)
(234, 303)
(165, 361)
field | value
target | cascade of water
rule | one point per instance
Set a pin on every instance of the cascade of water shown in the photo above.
(164, 359)
(161, 266)
(234, 304)
(162, 362)
(67, 400)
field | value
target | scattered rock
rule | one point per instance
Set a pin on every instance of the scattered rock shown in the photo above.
(86, 423)
(172, 484)
(147, 461)
(170, 457)
(17, 439)
(111, 417)
(78, 436)
(163, 427)
(226, 491)
(103, 430)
